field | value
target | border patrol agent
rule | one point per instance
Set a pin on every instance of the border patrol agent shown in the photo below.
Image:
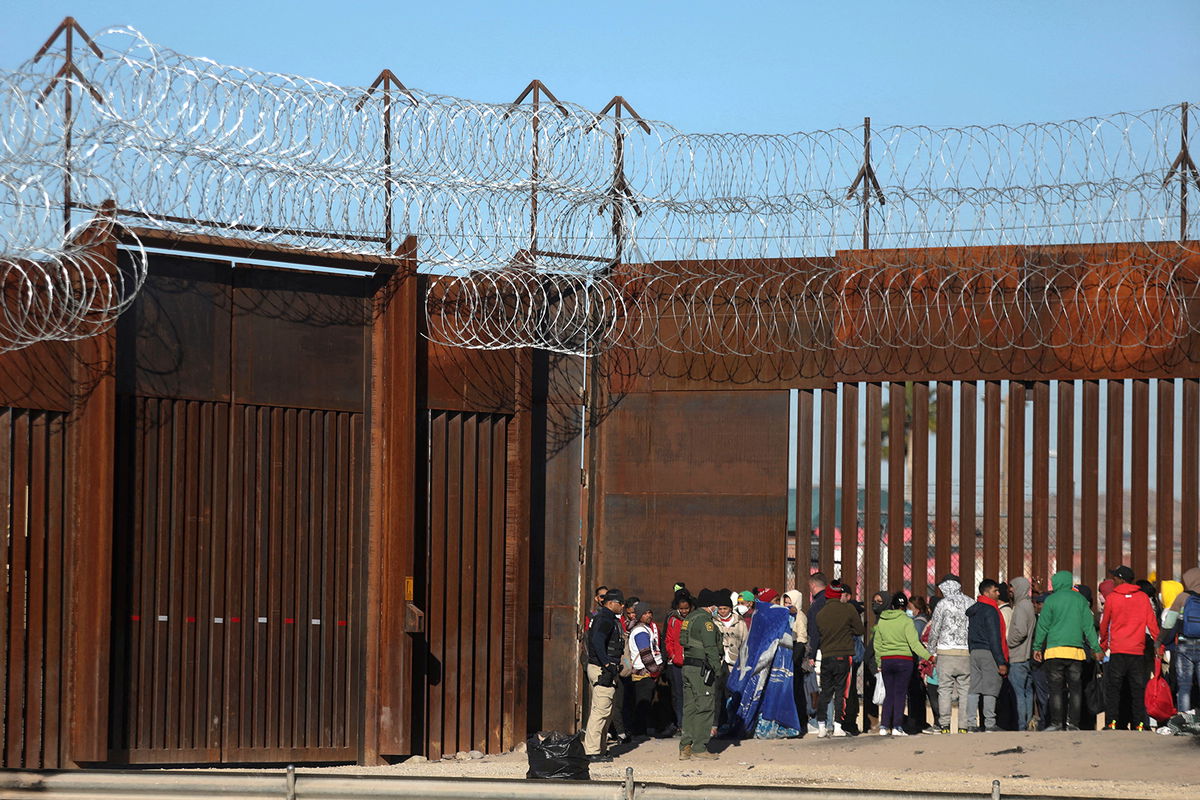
(701, 659)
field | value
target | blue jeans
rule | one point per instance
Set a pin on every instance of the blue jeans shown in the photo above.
(1020, 675)
(1186, 665)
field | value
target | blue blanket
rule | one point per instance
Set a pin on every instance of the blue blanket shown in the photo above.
(761, 683)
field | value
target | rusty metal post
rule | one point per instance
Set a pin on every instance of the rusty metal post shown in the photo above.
(870, 185)
(534, 91)
(385, 82)
(1185, 167)
(70, 72)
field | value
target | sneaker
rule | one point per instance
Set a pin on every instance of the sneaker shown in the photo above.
(1071, 727)
(964, 730)
(838, 731)
(884, 732)
(822, 731)
(899, 732)
(1112, 726)
(1052, 728)
(1141, 726)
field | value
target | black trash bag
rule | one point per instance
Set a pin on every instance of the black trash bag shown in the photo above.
(1094, 694)
(557, 756)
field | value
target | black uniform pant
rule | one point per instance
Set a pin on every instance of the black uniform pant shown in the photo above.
(835, 685)
(1125, 672)
(799, 694)
(1065, 674)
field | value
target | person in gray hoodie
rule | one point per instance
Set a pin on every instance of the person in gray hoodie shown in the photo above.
(1020, 647)
(951, 656)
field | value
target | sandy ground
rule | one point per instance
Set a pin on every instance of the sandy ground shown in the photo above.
(1111, 764)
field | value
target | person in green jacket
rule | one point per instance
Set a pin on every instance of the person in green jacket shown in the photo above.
(1066, 631)
(896, 642)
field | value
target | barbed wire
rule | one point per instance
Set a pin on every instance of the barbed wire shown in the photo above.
(544, 224)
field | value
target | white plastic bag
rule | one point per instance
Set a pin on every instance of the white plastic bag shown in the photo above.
(880, 690)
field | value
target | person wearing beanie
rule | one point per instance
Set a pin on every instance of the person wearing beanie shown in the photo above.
(1065, 632)
(838, 623)
(1181, 626)
(768, 596)
(1128, 616)
(895, 642)
(987, 641)
(701, 663)
(733, 636)
(951, 653)
(648, 663)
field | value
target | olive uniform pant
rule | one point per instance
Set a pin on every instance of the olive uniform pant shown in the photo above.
(698, 709)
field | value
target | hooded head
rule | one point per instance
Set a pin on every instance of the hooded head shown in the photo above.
(1020, 589)
(795, 596)
(1171, 590)
(1191, 580)
(950, 586)
(1062, 581)
(1107, 587)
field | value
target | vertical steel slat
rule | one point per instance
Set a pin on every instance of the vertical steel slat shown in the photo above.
(943, 477)
(920, 489)
(275, 567)
(18, 664)
(481, 498)
(804, 486)
(1041, 478)
(1089, 489)
(435, 624)
(1189, 527)
(148, 420)
(968, 525)
(850, 446)
(342, 502)
(993, 460)
(7, 448)
(199, 689)
(55, 568)
(828, 515)
(35, 604)
(1064, 484)
(897, 416)
(221, 458)
(1164, 489)
(308, 681)
(872, 524)
(468, 576)
(498, 619)
(290, 577)
(184, 582)
(257, 694)
(454, 622)
(1016, 479)
(1114, 528)
(1139, 478)
(174, 540)
(162, 532)
(322, 503)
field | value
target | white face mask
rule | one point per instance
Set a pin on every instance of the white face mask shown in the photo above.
(910, 613)
(741, 609)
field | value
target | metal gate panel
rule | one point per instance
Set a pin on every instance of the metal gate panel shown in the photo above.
(32, 613)
(465, 617)
(237, 549)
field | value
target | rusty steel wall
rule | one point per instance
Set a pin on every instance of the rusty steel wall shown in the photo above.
(692, 486)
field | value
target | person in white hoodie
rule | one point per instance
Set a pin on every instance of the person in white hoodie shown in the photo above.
(951, 655)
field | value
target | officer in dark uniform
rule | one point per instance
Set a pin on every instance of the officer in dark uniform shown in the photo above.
(701, 661)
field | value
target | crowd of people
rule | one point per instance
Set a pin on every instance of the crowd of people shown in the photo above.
(755, 663)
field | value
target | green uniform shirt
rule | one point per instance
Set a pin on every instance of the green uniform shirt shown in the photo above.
(700, 638)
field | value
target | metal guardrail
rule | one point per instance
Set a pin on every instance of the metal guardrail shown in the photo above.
(289, 785)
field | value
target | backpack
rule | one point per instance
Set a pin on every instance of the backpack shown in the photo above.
(1191, 618)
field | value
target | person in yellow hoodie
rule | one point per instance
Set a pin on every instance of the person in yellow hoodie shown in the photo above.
(1065, 632)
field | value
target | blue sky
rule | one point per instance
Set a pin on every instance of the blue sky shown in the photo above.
(703, 66)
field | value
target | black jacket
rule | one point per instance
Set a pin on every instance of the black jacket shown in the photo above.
(604, 639)
(983, 631)
(814, 632)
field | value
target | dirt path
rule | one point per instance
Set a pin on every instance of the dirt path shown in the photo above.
(1094, 764)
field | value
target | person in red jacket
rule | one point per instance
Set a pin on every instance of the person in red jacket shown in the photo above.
(1128, 617)
(681, 606)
